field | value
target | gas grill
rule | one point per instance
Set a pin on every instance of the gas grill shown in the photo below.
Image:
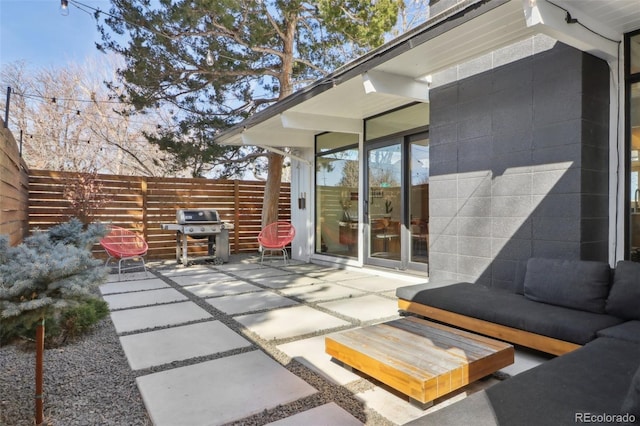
(194, 225)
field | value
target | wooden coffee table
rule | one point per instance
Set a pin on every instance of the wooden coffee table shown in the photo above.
(419, 358)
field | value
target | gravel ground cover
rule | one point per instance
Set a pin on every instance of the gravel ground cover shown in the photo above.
(87, 382)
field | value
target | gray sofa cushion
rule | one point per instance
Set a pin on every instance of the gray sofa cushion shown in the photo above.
(629, 331)
(631, 403)
(576, 284)
(624, 297)
(593, 379)
(513, 310)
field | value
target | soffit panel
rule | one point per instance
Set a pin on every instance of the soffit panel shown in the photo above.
(497, 28)
(349, 100)
(621, 16)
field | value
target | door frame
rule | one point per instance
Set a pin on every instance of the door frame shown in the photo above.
(404, 139)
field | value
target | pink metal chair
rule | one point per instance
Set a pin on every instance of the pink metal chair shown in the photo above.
(123, 244)
(276, 237)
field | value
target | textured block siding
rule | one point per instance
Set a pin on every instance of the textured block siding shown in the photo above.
(519, 161)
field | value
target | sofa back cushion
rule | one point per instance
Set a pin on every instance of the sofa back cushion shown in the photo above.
(624, 297)
(577, 284)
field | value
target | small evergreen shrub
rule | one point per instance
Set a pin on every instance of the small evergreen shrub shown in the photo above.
(48, 276)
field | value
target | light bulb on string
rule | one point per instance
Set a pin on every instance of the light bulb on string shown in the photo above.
(64, 7)
(209, 58)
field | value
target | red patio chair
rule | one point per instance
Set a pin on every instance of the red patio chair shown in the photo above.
(275, 237)
(123, 244)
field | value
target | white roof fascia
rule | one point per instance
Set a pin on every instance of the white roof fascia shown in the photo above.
(586, 34)
(276, 138)
(395, 85)
(320, 123)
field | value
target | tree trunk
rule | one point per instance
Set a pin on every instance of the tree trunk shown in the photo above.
(272, 189)
(39, 372)
(274, 174)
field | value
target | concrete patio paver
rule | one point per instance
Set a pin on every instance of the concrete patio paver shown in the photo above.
(321, 291)
(144, 350)
(143, 298)
(391, 406)
(311, 353)
(324, 415)
(284, 281)
(210, 277)
(157, 316)
(375, 283)
(250, 302)
(219, 391)
(222, 288)
(254, 274)
(181, 270)
(128, 286)
(289, 322)
(239, 266)
(336, 275)
(365, 308)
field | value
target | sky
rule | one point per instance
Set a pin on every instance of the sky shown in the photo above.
(35, 31)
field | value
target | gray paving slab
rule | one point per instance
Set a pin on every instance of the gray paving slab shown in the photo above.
(250, 302)
(253, 274)
(365, 308)
(374, 283)
(157, 316)
(289, 322)
(321, 291)
(307, 268)
(179, 270)
(201, 278)
(143, 298)
(283, 281)
(222, 288)
(144, 350)
(219, 391)
(336, 275)
(243, 266)
(127, 286)
(311, 352)
(325, 415)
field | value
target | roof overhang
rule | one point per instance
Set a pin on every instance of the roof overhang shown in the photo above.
(394, 74)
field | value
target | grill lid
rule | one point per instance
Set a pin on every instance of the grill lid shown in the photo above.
(186, 216)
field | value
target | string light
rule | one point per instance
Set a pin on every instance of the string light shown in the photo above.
(64, 7)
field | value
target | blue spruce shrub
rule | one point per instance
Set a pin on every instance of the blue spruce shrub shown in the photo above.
(48, 273)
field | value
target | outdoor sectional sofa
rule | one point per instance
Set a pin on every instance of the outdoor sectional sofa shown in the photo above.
(581, 310)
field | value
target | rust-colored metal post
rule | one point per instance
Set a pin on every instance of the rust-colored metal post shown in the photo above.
(39, 372)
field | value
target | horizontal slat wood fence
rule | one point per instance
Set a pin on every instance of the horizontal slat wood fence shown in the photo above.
(14, 193)
(145, 203)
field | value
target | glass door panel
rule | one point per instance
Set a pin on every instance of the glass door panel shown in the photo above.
(385, 201)
(419, 199)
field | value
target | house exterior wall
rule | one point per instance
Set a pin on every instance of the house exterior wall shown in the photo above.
(519, 161)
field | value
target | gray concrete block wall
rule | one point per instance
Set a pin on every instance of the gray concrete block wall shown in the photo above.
(518, 161)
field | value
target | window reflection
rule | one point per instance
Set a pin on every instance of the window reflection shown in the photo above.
(337, 177)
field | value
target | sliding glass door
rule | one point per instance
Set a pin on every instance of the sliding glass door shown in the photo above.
(397, 202)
